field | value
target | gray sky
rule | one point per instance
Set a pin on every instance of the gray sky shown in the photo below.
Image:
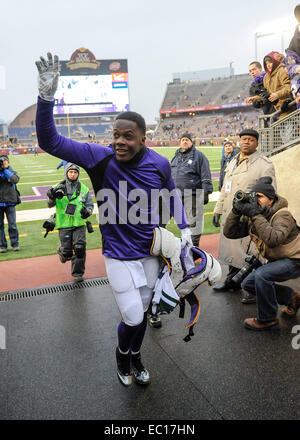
(158, 37)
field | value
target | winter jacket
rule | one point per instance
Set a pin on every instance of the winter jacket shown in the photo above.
(257, 89)
(9, 195)
(275, 234)
(278, 81)
(190, 170)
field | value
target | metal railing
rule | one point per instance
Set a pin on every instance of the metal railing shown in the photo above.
(276, 135)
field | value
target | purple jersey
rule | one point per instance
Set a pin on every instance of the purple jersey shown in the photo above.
(120, 188)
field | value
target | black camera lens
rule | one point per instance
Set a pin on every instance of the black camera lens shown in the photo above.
(251, 263)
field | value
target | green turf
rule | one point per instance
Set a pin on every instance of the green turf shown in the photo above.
(41, 170)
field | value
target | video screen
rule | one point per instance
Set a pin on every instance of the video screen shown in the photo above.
(90, 94)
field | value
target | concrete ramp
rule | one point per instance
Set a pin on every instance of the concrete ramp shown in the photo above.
(59, 360)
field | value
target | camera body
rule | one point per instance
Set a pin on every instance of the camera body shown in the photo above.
(57, 193)
(89, 227)
(251, 263)
(1, 164)
(245, 197)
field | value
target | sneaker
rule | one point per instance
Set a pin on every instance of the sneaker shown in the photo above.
(124, 370)
(3, 250)
(155, 321)
(16, 248)
(141, 375)
(78, 279)
(292, 308)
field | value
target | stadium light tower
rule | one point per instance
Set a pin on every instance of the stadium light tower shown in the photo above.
(267, 34)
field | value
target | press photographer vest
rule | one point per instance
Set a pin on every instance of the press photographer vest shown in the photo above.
(289, 250)
(70, 221)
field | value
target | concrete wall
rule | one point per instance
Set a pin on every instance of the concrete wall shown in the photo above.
(287, 167)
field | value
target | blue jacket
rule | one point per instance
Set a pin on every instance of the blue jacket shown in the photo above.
(190, 170)
(9, 194)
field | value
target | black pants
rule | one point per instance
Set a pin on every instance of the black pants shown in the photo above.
(73, 247)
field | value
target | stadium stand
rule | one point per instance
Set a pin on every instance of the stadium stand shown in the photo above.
(210, 110)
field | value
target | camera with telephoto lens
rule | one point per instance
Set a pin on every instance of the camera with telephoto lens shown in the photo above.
(49, 224)
(251, 263)
(245, 197)
(1, 164)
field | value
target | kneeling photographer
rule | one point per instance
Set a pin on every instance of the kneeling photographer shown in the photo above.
(264, 216)
(74, 205)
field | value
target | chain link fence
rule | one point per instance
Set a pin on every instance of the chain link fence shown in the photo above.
(276, 135)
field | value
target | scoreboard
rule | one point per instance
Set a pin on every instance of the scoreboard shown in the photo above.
(88, 86)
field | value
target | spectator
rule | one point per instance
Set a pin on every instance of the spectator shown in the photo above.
(229, 152)
(242, 173)
(74, 205)
(258, 94)
(9, 198)
(63, 163)
(292, 60)
(190, 171)
(115, 172)
(275, 232)
(277, 81)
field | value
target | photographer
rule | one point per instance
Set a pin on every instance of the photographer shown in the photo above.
(9, 198)
(73, 206)
(241, 173)
(265, 217)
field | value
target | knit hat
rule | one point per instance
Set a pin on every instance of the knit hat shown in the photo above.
(249, 132)
(71, 166)
(4, 157)
(264, 186)
(187, 135)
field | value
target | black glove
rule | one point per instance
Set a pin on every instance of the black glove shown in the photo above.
(56, 193)
(206, 194)
(216, 220)
(84, 212)
(250, 209)
(51, 193)
(284, 106)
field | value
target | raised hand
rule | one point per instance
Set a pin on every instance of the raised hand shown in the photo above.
(48, 76)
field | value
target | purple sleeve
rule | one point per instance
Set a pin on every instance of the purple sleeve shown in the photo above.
(83, 154)
(292, 61)
(176, 206)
